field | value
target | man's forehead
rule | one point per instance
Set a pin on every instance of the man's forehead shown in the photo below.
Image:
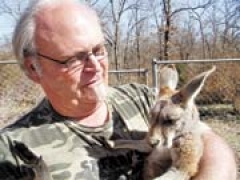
(49, 16)
(69, 27)
(62, 21)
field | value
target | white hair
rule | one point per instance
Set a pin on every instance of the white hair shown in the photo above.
(23, 40)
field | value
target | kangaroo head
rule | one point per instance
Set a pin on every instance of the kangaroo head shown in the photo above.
(175, 112)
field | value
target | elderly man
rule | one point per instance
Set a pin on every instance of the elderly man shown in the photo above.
(60, 45)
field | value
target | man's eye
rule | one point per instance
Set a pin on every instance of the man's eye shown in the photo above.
(80, 56)
(72, 62)
(99, 51)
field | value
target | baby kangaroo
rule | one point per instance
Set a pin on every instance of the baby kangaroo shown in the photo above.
(175, 123)
(174, 139)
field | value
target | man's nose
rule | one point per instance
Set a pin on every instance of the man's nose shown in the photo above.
(92, 63)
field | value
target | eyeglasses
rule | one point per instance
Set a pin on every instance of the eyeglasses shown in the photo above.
(79, 58)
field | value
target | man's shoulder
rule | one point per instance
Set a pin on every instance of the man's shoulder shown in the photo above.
(130, 95)
(131, 90)
(133, 103)
(34, 117)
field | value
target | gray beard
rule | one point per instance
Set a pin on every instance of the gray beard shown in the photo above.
(97, 93)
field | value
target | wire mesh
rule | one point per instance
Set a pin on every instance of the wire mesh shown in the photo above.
(127, 76)
(17, 93)
(219, 99)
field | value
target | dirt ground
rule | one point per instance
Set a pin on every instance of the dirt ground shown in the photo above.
(230, 131)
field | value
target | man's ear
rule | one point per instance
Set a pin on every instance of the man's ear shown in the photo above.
(31, 70)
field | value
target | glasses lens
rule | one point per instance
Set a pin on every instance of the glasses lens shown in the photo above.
(73, 63)
(80, 58)
(99, 51)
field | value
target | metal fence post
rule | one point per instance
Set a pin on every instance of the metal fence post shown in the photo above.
(155, 76)
(146, 76)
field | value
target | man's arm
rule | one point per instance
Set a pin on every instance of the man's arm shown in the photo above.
(218, 161)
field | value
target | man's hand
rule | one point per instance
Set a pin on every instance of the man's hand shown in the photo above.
(218, 161)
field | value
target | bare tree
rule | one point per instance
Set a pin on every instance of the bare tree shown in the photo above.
(186, 42)
(167, 23)
(92, 2)
(117, 11)
(154, 6)
(13, 8)
(11, 11)
(231, 23)
(198, 17)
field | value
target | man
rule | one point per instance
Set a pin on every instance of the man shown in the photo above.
(60, 45)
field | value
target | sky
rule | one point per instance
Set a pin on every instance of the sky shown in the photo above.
(7, 22)
(6, 28)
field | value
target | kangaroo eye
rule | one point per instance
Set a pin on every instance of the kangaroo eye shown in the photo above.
(168, 122)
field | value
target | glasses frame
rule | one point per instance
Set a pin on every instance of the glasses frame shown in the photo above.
(65, 62)
(84, 58)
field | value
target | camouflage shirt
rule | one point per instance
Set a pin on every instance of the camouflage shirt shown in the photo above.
(74, 152)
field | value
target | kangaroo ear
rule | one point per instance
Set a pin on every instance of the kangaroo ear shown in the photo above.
(188, 93)
(168, 79)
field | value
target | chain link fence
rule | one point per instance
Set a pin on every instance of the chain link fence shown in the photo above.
(123, 76)
(17, 93)
(220, 98)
